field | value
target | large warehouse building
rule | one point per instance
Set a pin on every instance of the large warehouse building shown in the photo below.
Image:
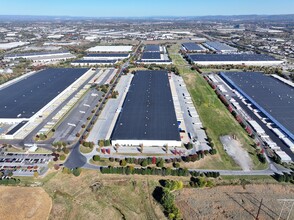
(193, 47)
(31, 97)
(42, 57)
(220, 47)
(271, 97)
(234, 59)
(25, 98)
(120, 48)
(93, 62)
(154, 54)
(106, 56)
(98, 59)
(148, 115)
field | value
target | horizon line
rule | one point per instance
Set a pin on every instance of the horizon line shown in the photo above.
(148, 16)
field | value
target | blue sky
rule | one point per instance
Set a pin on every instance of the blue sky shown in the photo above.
(129, 8)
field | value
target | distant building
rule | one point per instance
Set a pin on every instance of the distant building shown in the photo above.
(42, 57)
(233, 59)
(220, 47)
(193, 47)
(121, 48)
(93, 62)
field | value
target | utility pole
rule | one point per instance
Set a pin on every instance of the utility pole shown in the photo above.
(258, 212)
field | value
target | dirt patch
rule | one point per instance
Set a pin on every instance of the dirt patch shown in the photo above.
(234, 149)
(234, 202)
(24, 203)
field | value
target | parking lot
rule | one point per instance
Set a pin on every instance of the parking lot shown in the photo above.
(23, 164)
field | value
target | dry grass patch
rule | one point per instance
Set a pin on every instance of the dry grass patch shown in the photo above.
(24, 203)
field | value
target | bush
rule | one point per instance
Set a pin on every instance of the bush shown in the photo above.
(62, 157)
(65, 150)
(144, 163)
(176, 165)
(213, 151)
(96, 158)
(76, 171)
(189, 146)
(160, 163)
(123, 163)
(261, 158)
(65, 170)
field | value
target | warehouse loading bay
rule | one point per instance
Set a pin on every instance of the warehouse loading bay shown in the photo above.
(190, 128)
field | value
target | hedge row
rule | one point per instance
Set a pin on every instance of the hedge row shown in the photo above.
(145, 171)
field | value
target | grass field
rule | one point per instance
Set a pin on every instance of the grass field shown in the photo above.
(214, 116)
(120, 197)
(24, 203)
(235, 202)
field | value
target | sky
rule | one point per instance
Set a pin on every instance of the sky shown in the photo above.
(144, 8)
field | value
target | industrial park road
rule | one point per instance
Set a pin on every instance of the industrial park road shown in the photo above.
(75, 159)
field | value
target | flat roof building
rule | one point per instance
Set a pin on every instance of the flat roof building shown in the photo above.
(151, 56)
(273, 98)
(152, 48)
(220, 47)
(233, 59)
(42, 56)
(121, 48)
(25, 98)
(193, 47)
(106, 56)
(93, 62)
(148, 115)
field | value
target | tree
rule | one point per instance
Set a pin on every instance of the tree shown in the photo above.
(101, 143)
(176, 165)
(65, 170)
(36, 174)
(123, 162)
(212, 151)
(96, 158)
(167, 200)
(65, 150)
(160, 163)
(76, 171)
(144, 163)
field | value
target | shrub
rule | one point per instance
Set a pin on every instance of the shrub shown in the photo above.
(213, 151)
(65, 150)
(176, 165)
(96, 157)
(76, 171)
(123, 163)
(144, 163)
(62, 157)
(160, 163)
